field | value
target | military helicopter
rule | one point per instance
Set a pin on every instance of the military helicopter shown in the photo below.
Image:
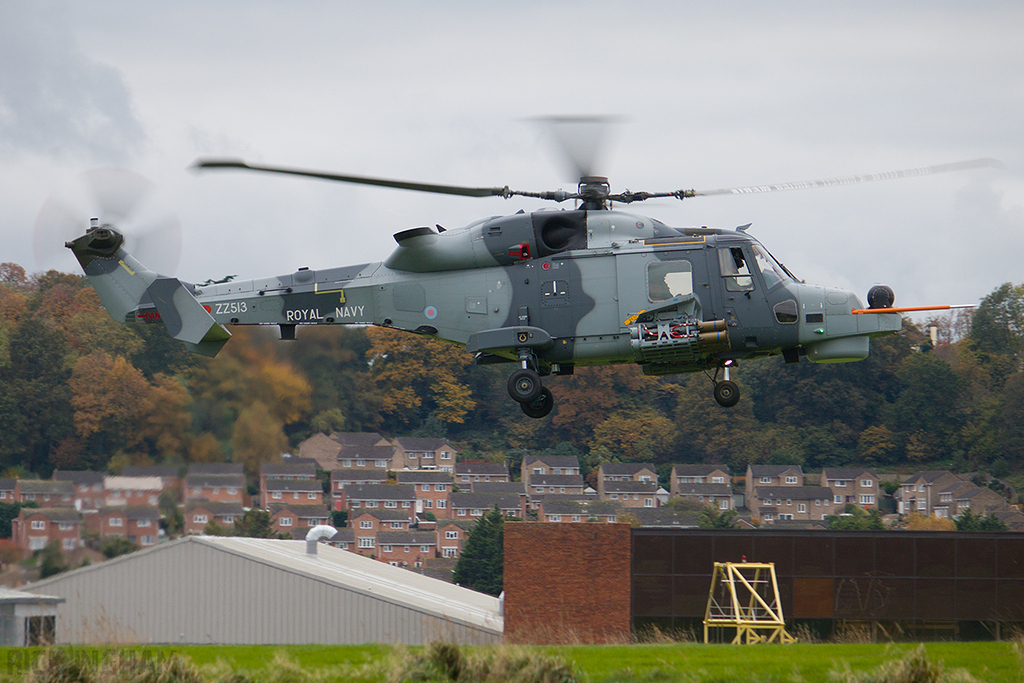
(545, 291)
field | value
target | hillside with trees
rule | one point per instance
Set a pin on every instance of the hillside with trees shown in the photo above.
(79, 391)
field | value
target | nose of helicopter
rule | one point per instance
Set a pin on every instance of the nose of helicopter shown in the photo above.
(831, 332)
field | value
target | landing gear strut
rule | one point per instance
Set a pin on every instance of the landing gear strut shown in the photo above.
(727, 392)
(524, 386)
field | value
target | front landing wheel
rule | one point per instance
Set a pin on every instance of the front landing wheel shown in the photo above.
(727, 393)
(524, 385)
(541, 407)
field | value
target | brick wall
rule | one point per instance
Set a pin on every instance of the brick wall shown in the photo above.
(567, 583)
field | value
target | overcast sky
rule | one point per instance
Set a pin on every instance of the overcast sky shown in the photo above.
(707, 95)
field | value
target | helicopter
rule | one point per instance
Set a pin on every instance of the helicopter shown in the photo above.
(545, 291)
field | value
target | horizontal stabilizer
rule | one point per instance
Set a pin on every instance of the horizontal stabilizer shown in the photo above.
(184, 317)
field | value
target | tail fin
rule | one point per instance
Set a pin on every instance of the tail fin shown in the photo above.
(125, 286)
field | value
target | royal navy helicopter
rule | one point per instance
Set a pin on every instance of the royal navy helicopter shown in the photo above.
(543, 291)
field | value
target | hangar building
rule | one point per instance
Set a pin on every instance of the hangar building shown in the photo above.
(227, 590)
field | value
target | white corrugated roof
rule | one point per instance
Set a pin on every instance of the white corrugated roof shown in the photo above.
(361, 574)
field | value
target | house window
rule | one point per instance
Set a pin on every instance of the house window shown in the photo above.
(451, 535)
(29, 496)
(766, 480)
(440, 487)
(232, 491)
(286, 521)
(366, 524)
(575, 518)
(386, 548)
(538, 470)
(347, 463)
(367, 542)
(767, 516)
(838, 500)
(789, 502)
(116, 521)
(554, 518)
(144, 522)
(477, 513)
(276, 495)
(802, 507)
(840, 483)
(445, 455)
(424, 548)
(69, 544)
(921, 504)
(866, 483)
(613, 496)
(391, 503)
(723, 504)
(540, 489)
(465, 478)
(295, 495)
(311, 495)
(817, 502)
(428, 503)
(613, 518)
(199, 519)
(449, 552)
(867, 499)
(717, 480)
(396, 525)
(461, 512)
(405, 504)
(790, 480)
(382, 463)
(148, 540)
(442, 504)
(424, 487)
(229, 519)
(360, 463)
(648, 502)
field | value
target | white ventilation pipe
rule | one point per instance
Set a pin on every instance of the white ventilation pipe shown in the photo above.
(315, 534)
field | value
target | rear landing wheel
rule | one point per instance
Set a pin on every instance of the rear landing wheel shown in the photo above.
(524, 385)
(540, 407)
(727, 393)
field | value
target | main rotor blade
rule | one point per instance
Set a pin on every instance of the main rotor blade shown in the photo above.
(847, 180)
(360, 180)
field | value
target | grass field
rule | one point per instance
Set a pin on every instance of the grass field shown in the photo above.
(799, 663)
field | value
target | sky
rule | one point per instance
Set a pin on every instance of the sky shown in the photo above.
(703, 95)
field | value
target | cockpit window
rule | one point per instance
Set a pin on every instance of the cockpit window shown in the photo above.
(771, 270)
(734, 269)
(668, 279)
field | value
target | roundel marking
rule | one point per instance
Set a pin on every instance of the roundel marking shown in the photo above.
(430, 312)
(639, 225)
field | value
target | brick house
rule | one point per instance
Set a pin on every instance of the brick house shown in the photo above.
(855, 485)
(200, 513)
(717, 495)
(631, 494)
(285, 518)
(624, 471)
(452, 535)
(341, 478)
(169, 476)
(381, 496)
(365, 457)
(366, 524)
(473, 505)
(980, 500)
(305, 471)
(121, 491)
(770, 475)
(217, 483)
(88, 487)
(698, 474)
(344, 539)
(546, 465)
(920, 492)
(138, 524)
(325, 449)
(432, 488)
(34, 528)
(510, 487)
(406, 548)
(566, 484)
(7, 487)
(291, 492)
(800, 503)
(568, 511)
(471, 472)
(423, 454)
(48, 494)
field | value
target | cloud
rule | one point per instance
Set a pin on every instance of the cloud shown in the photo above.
(55, 101)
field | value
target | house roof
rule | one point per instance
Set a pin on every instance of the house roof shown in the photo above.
(482, 468)
(223, 481)
(424, 477)
(357, 438)
(133, 511)
(928, 476)
(7, 484)
(664, 518)
(553, 460)
(625, 467)
(556, 480)
(421, 444)
(698, 470)
(346, 535)
(68, 514)
(582, 507)
(133, 483)
(43, 487)
(773, 470)
(364, 452)
(464, 524)
(707, 489)
(78, 477)
(300, 510)
(380, 492)
(847, 472)
(515, 487)
(631, 486)
(406, 538)
(215, 509)
(484, 501)
(288, 469)
(793, 492)
(383, 515)
(352, 475)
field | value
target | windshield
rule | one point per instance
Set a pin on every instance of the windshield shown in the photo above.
(772, 271)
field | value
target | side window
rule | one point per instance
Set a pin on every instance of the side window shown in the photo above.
(734, 269)
(668, 279)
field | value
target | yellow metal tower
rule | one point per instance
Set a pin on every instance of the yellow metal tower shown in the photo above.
(745, 596)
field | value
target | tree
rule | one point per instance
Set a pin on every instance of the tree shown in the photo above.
(968, 521)
(258, 438)
(254, 524)
(114, 546)
(8, 513)
(856, 519)
(481, 565)
(51, 560)
(916, 522)
(711, 517)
